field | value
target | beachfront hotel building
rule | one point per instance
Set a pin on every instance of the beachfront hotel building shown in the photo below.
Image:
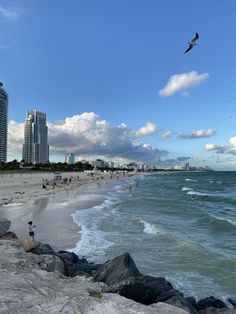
(3, 123)
(35, 147)
(70, 159)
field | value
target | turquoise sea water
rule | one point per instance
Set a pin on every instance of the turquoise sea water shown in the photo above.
(170, 228)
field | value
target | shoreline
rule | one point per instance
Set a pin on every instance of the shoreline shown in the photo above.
(51, 209)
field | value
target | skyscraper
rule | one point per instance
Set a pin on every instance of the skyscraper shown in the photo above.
(70, 159)
(35, 147)
(3, 123)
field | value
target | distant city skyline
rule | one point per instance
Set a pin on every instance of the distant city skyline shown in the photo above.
(115, 83)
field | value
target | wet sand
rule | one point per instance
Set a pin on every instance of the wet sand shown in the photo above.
(52, 212)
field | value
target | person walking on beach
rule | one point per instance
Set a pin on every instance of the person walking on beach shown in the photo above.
(31, 229)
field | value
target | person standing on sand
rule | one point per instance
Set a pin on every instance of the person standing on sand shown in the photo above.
(31, 229)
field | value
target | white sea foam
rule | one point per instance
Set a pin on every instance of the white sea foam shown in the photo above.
(196, 193)
(190, 180)
(93, 242)
(119, 188)
(150, 228)
(186, 189)
(232, 222)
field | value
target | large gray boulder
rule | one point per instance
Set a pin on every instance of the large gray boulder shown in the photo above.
(70, 257)
(75, 266)
(9, 235)
(42, 248)
(51, 263)
(120, 268)
(4, 225)
(81, 268)
(145, 289)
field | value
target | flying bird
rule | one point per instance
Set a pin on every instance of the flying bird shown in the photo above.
(192, 42)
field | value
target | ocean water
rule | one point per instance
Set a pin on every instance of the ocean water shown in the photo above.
(169, 227)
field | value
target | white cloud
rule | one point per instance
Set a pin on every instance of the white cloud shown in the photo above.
(232, 140)
(198, 134)
(167, 135)
(15, 137)
(209, 147)
(223, 149)
(146, 130)
(10, 13)
(88, 134)
(219, 149)
(182, 82)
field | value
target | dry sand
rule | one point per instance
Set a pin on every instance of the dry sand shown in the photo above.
(18, 188)
(22, 198)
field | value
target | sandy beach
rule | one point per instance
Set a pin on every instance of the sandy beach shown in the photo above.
(23, 198)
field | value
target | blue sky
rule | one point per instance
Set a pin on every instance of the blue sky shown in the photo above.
(113, 78)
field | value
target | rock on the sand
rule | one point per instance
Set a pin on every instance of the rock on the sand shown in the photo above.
(4, 225)
(9, 235)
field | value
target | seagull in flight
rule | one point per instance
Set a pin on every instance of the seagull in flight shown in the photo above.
(192, 42)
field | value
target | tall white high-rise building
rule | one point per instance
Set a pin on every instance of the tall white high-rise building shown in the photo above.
(3, 123)
(70, 159)
(35, 147)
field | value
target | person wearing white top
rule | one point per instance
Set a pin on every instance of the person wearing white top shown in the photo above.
(31, 229)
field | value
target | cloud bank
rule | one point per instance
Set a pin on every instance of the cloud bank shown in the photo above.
(198, 134)
(88, 134)
(182, 82)
(223, 149)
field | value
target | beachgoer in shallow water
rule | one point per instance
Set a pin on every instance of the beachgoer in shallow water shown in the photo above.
(31, 229)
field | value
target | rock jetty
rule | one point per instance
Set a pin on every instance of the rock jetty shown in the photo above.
(44, 281)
